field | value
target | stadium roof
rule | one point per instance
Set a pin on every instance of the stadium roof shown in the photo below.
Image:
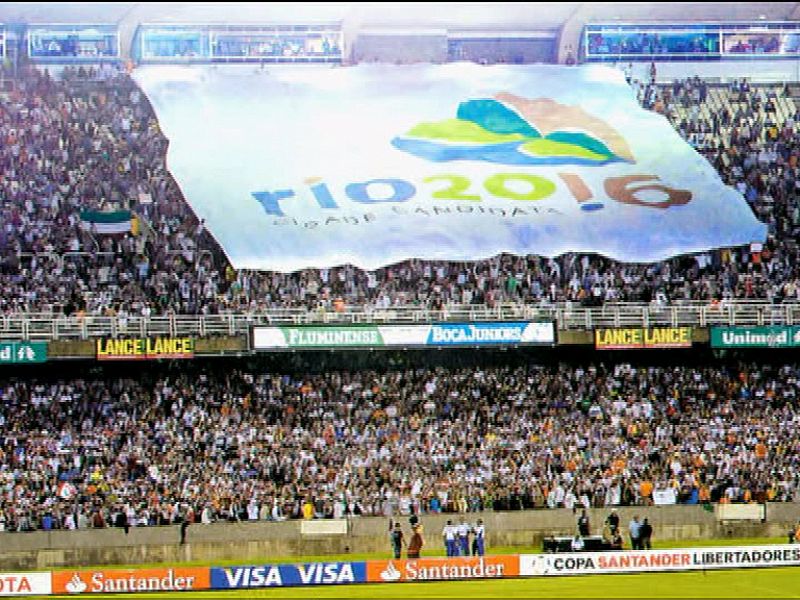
(469, 15)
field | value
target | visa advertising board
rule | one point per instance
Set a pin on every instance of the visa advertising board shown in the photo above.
(281, 575)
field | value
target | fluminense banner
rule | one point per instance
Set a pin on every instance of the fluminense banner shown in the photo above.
(301, 166)
(378, 336)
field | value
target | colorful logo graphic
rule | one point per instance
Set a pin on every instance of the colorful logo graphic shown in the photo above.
(511, 130)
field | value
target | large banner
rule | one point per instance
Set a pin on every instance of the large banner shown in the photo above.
(25, 584)
(288, 575)
(177, 579)
(23, 352)
(636, 561)
(381, 336)
(662, 496)
(432, 569)
(294, 167)
(636, 338)
(772, 336)
(144, 348)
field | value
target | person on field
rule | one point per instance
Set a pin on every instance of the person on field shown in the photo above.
(416, 543)
(463, 538)
(478, 542)
(645, 532)
(794, 534)
(583, 524)
(449, 535)
(613, 520)
(616, 540)
(398, 539)
(635, 530)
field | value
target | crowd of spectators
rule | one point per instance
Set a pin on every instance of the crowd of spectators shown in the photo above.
(302, 46)
(233, 445)
(599, 44)
(89, 140)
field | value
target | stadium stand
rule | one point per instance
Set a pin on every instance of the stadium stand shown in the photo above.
(89, 141)
(210, 445)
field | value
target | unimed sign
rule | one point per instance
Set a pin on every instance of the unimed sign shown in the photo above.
(773, 336)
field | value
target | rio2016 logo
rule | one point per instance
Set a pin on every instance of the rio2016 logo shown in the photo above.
(507, 130)
(511, 130)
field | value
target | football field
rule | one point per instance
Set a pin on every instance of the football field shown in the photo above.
(742, 583)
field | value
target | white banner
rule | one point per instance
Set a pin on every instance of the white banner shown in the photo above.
(295, 167)
(25, 584)
(374, 336)
(678, 559)
(664, 496)
(740, 512)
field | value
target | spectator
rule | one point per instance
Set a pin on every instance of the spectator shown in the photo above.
(645, 533)
(616, 540)
(635, 530)
(570, 60)
(398, 540)
(308, 510)
(613, 520)
(416, 543)
(479, 541)
(449, 537)
(583, 524)
(235, 445)
(121, 520)
(463, 537)
(115, 160)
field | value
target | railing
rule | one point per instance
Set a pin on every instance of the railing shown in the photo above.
(54, 327)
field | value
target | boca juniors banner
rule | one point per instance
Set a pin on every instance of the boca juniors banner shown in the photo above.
(379, 336)
(295, 167)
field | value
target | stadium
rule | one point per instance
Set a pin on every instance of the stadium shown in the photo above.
(400, 300)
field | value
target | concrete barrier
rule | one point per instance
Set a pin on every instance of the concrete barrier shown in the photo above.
(260, 540)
